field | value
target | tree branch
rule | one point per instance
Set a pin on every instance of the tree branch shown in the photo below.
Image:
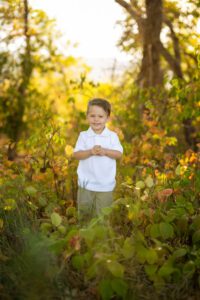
(139, 20)
(191, 55)
(174, 39)
(173, 63)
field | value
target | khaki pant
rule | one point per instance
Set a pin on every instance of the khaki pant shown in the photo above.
(90, 203)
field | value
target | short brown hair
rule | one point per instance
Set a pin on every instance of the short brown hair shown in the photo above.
(103, 103)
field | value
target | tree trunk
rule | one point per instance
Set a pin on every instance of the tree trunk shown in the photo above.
(16, 118)
(150, 74)
(189, 132)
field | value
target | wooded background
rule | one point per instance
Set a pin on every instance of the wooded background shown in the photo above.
(145, 245)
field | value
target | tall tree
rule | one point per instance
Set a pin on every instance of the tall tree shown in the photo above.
(169, 26)
(26, 45)
(149, 23)
(15, 21)
(150, 18)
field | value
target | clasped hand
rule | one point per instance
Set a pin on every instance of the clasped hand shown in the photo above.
(98, 150)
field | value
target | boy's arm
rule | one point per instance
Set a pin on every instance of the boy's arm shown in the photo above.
(115, 154)
(82, 154)
(115, 151)
(79, 152)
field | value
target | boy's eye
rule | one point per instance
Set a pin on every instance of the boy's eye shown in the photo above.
(93, 116)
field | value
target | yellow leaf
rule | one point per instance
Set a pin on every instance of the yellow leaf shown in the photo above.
(1, 223)
(69, 150)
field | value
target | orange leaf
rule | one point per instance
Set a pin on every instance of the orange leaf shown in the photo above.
(164, 194)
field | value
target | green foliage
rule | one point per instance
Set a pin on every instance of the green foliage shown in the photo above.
(147, 241)
(147, 244)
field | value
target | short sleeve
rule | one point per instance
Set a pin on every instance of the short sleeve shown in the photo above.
(80, 144)
(115, 143)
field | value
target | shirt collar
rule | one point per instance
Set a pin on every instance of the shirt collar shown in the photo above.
(91, 132)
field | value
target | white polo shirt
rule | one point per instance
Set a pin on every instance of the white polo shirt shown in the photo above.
(97, 173)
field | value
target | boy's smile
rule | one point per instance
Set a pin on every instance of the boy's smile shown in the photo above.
(97, 118)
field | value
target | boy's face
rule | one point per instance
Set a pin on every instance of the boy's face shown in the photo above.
(97, 118)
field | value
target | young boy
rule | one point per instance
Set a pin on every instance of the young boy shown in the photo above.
(97, 150)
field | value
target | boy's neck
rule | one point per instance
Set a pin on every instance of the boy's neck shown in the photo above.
(98, 132)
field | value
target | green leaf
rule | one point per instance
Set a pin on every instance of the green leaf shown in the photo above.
(92, 271)
(32, 206)
(166, 270)
(10, 204)
(178, 170)
(78, 262)
(62, 229)
(196, 236)
(105, 289)
(100, 232)
(73, 232)
(140, 184)
(45, 227)
(151, 256)
(127, 249)
(155, 230)
(149, 181)
(139, 237)
(141, 252)
(58, 246)
(31, 190)
(196, 223)
(175, 83)
(166, 230)
(189, 267)
(89, 235)
(71, 211)
(115, 268)
(150, 269)
(182, 224)
(120, 287)
(56, 219)
(106, 211)
(42, 201)
(149, 104)
(171, 215)
(179, 253)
